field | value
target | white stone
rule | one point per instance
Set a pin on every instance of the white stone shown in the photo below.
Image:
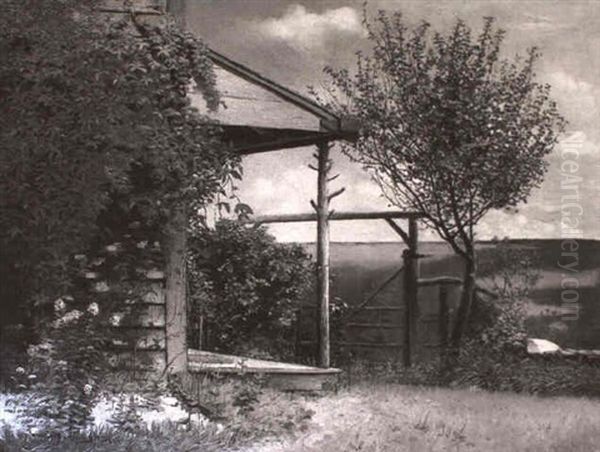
(541, 346)
(170, 401)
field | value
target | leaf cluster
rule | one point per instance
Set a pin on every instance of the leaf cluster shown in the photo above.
(94, 115)
(449, 126)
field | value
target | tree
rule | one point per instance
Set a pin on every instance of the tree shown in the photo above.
(449, 127)
(95, 122)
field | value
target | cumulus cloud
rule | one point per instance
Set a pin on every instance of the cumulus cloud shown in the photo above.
(578, 99)
(305, 29)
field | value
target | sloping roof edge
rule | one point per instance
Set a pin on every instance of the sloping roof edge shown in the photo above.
(329, 121)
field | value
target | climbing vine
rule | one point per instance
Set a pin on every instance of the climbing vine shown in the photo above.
(96, 129)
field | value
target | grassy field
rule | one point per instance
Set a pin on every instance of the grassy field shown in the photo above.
(401, 418)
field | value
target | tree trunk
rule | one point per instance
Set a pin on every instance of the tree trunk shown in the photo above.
(466, 300)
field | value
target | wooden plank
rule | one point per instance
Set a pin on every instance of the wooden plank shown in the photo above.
(155, 294)
(144, 315)
(322, 216)
(248, 104)
(372, 325)
(438, 281)
(140, 360)
(372, 344)
(328, 118)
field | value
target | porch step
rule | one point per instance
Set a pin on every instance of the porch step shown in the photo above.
(283, 376)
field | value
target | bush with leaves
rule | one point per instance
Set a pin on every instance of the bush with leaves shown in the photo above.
(248, 287)
(94, 116)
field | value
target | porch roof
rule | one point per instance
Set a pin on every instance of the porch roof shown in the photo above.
(260, 115)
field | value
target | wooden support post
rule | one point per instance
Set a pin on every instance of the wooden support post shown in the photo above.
(175, 293)
(443, 317)
(323, 254)
(411, 275)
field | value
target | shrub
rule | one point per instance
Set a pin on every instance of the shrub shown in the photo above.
(248, 286)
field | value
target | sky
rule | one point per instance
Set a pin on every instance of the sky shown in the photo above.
(292, 41)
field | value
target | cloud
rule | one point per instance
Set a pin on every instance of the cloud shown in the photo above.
(303, 29)
(539, 23)
(577, 99)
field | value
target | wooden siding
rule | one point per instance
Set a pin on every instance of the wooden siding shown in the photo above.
(250, 105)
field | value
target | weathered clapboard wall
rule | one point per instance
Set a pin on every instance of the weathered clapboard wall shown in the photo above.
(248, 104)
(126, 280)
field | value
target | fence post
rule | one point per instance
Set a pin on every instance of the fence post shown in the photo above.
(411, 275)
(443, 317)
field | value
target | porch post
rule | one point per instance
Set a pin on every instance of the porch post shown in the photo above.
(175, 292)
(323, 168)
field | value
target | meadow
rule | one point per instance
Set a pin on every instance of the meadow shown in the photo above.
(378, 417)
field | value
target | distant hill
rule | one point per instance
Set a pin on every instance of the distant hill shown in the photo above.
(358, 268)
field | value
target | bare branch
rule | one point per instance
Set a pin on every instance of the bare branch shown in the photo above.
(336, 193)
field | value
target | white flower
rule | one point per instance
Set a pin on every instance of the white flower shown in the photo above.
(93, 309)
(70, 316)
(19, 370)
(143, 244)
(60, 305)
(87, 389)
(101, 287)
(112, 248)
(115, 320)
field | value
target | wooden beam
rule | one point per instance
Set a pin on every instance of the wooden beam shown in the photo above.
(411, 275)
(438, 281)
(322, 217)
(276, 145)
(401, 232)
(336, 216)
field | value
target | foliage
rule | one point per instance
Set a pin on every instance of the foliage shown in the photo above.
(93, 117)
(449, 127)
(247, 286)
(509, 270)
